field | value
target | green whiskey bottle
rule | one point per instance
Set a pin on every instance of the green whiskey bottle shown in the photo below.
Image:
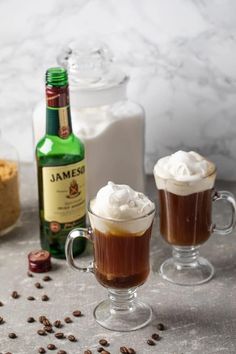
(61, 170)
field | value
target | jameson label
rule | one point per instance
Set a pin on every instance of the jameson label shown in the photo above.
(64, 192)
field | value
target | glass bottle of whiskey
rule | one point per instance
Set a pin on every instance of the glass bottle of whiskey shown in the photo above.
(61, 170)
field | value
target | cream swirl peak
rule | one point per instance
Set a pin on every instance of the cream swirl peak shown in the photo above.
(184, 173)
(121, 202)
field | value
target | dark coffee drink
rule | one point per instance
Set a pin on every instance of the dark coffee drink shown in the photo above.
(121, 261)
(185, 220)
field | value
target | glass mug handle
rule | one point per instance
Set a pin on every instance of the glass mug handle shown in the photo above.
(77, 233)
(229, 197)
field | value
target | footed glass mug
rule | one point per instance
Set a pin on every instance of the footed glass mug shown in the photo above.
(186, 217)
(121, 264)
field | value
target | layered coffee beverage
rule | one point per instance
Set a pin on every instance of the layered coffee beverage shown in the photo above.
(185, 181)
(121, 219)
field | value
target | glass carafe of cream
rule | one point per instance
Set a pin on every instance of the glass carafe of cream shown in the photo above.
(110, 125)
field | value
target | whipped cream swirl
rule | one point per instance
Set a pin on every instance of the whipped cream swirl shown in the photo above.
(184, 173)
(119, 201)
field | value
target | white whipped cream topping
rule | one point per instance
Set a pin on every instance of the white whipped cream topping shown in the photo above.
(122, 204)
(184, 173)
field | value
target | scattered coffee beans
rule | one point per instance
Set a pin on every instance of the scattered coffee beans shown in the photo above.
(1, 320)
(57, 324)
(30, 320)
(68, 320)
(48, 329)
(161, 327)
(88, 351)
(42, 318)
(100, 349)
(47, 278)
(45, 298)
(41, 350)
(59, 335)
(42, 332)
(77, 313)
(105, 352)
(156, 336)
(51, 346)
(15, 295)
(72, 338)
(12, 335)
(150, 342)
(125, 350)
(38, 285)
(46, 322)
(61, 352)
(104, 342)
(31, 298)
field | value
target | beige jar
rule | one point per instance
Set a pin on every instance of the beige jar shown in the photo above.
(9, 188)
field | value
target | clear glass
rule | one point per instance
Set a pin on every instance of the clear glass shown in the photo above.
(9, 188)
(186, 223)
(121, 264)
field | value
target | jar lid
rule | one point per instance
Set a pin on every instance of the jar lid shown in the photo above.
(39, 261)
(90, 65)
(95, 80)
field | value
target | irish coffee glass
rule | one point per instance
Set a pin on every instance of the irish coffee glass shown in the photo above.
(186, 223)
(121, 264)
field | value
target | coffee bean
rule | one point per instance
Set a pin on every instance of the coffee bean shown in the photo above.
(88, 351)
(12, 335)
(57, 324)
(48, 329)
(150, 342)
(68, 320)
(30, 274)
(15, 295)
(47, 278)
(30, 320)
(131, 351)
(31, 298)
(104, 342)
(105, 352)
(61, 352)
(42, 332)
(100, 349)
(46, 322)
(1, 320)
(38, 285)
(161, 327)
(41, 350)
(1, 304)
(72, 338)
(51, 346)
(77, 313)
(8, 353)
(45, 298)
(59, 335)
(124, 350)
(155, 336)
(42, 318)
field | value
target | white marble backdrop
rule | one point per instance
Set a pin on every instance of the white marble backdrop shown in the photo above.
(180, 55)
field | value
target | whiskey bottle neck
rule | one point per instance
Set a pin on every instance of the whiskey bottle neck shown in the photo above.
(58, 115)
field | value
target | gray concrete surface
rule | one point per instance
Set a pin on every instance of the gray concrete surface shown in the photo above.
(200, 319)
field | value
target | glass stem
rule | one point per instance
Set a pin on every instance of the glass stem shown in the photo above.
(185, 256)
(122, 300)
